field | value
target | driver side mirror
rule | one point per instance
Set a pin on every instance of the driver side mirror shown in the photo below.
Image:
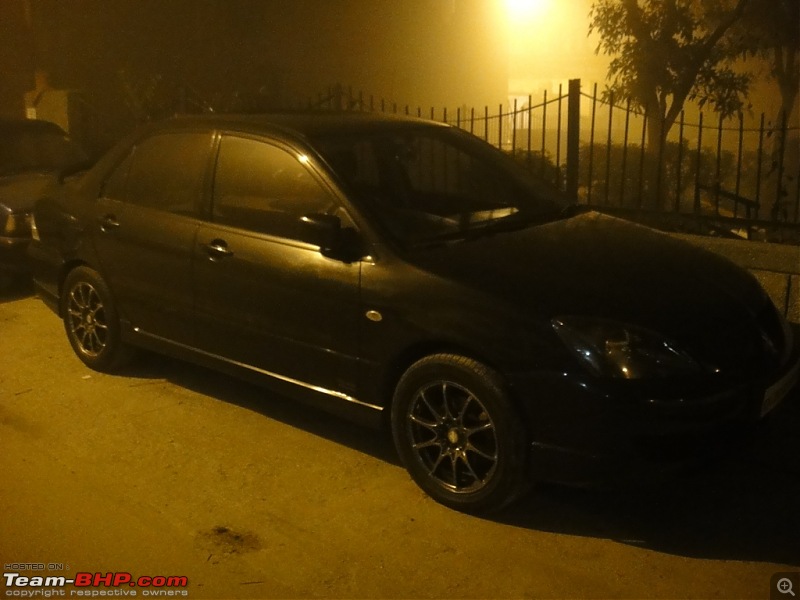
(334, 241)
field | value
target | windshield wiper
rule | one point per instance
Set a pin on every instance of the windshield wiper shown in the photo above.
(515, 222)
(519, 220)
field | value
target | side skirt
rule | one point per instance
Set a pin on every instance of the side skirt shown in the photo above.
(331, 401)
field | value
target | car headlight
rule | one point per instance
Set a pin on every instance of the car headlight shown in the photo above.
(612, 349)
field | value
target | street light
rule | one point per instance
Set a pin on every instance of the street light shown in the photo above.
(524, 10)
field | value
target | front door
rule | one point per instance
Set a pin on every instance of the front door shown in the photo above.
(264, 297)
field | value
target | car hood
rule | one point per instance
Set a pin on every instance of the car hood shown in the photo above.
(599, 266)
(20, 192)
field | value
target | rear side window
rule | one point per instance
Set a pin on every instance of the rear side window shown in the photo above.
(264, 188)
(164, 172)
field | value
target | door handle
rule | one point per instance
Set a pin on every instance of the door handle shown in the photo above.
(218, 249)
(108, 222)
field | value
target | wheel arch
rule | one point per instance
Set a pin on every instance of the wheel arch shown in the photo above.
(402, 361)
(482, 433)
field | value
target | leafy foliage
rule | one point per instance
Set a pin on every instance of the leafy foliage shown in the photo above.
(667, 51)
(771, 29)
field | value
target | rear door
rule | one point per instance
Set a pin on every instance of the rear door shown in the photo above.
(144, 228)
(265, 297)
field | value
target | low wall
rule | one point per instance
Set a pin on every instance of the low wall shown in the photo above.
(776, 266)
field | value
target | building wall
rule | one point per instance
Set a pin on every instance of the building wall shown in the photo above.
(16, 58)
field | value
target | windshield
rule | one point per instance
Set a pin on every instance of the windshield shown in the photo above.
(37, 150)
(425, 184)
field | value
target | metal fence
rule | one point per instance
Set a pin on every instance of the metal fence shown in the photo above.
(708, 175)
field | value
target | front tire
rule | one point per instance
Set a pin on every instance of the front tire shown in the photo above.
(458, 434)
(92, 322)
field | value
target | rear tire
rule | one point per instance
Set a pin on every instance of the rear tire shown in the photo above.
(92, 322)
(458, 434)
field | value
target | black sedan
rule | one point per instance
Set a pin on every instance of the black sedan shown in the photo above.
(33, 155)
(404, 273)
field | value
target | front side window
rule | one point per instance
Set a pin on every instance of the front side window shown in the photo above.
(426, 184)
(264, 188)
(164, 172)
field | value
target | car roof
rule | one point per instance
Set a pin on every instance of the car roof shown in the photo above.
(304, 124)
(298, 125)
(17, 126)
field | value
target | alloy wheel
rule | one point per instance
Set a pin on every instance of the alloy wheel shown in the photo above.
(86, 319)
(453, 436)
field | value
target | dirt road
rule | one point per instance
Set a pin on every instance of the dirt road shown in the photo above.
(172, 470)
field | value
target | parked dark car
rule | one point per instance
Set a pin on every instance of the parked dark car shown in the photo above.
(402, 272)
(33, 155)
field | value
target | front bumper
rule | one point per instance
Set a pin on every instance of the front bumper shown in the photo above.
(588, 434)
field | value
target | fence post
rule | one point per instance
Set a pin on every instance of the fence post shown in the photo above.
(698, 166)
(591, 148)
(500, 127)
(514, 129)
(778, 161)
(623, 169)
(608, 147)
(530, 128)
(679, 169)
(573, 137)
(759, 164)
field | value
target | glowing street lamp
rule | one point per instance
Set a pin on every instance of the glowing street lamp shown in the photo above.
(524, 10)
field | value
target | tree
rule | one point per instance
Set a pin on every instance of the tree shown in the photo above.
(666, 52)
(771, 30)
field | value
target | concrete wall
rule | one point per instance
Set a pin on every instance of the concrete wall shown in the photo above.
(776, 266)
